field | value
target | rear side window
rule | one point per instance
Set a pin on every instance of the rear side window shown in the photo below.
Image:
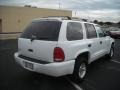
(74, 31)
(42, 30)
(91, 32)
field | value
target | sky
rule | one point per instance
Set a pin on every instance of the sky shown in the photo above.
(102, 10)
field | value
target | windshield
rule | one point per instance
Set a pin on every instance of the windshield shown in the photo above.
(42, 30)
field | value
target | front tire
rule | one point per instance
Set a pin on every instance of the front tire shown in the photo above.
(80, 69)
(111, 53)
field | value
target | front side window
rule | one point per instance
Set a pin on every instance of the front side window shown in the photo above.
(100, 33)
(91, 32)
(42, 30)
(74, 31)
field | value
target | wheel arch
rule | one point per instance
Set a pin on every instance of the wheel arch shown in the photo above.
(84, 54)
(113, 43)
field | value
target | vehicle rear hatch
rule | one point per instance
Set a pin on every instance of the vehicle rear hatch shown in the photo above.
(39, 40)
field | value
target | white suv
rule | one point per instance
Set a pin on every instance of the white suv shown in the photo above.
(57, 47)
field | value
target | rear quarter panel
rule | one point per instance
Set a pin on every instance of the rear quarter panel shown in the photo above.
(73, 48)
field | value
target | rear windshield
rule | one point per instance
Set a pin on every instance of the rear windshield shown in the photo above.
(42, 30)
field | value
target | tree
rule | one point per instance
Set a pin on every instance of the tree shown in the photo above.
(100, 23)
(95, 21)
(108, 23)
(84, 20)
(30, 6)
(118, 23)
(27, 6)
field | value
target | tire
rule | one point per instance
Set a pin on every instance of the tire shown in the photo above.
(80, 69)
(111, 53)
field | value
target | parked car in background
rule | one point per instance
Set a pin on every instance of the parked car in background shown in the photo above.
(114, 34)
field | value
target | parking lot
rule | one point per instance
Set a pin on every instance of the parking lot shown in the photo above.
(102, 74)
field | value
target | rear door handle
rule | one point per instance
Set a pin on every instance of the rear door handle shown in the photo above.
(30, 50)
(89, 45)
(100, 42)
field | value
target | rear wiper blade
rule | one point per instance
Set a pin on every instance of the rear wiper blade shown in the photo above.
(43, 38)
(40, 38)
(33, 37)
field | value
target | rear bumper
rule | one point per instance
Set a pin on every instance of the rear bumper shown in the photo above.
(52, 69)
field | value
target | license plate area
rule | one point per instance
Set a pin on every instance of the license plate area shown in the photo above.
(28, 65)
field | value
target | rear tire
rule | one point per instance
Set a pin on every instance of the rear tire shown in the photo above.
(80, 69)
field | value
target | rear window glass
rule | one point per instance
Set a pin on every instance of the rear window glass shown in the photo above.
(42, 30)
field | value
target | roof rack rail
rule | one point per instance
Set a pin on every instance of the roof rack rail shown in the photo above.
(66, 18)
(79, 19)
(59, 17)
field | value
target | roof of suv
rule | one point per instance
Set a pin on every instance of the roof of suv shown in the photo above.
(61, 19)
(54, 18)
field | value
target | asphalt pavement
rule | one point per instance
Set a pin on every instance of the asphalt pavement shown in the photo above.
(102, 74)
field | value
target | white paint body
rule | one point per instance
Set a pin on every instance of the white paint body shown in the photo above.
(43, 50)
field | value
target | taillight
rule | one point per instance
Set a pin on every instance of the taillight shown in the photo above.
(58, 55)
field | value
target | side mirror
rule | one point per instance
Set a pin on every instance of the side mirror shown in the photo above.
(107, 33)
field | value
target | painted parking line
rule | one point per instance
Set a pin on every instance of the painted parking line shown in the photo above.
(115, 61)
(90, 84)
(111, 67)
(74, 84)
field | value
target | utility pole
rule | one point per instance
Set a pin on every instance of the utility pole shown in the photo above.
(59, 5)
(75, 13)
